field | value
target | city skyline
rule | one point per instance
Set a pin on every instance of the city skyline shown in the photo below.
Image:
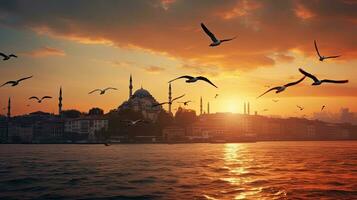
(64, 50)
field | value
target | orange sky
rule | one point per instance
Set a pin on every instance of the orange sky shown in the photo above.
(84, 45)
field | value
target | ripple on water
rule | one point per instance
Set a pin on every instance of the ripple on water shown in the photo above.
(268, 170)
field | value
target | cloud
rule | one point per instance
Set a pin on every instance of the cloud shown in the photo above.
(171, 28)
(44, 52)
(322, 91)
(284, 58)
(154, 69)
(302, 12)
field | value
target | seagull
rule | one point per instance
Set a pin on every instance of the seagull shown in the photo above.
(282, 88)
(215, 41)
(322, 108)
(322, 58)
(102, 91)
(40, 100)
(14, 83)
(185, 103)
(191, 79)
(133, 123)
(216, 96)
(301, 108)
(265, 110)
(7, 57)
(275, 100)
(319, 82)
(170, 102)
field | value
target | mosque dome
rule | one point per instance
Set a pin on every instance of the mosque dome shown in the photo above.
(142, 93)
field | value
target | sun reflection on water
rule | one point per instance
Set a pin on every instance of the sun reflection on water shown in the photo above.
(237, 164)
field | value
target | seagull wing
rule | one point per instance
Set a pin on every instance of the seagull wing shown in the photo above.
(271, 89)
(322, 108)
(46, 97)
(186, 76)
(110, 88)
(334, 81)
(309, 75)
(205, 29)
(3, 55)
(34, 97)
(159, 104)
(229, 39)
(95, 91)
(327, 57)
(9, 82)
(24, 78)
(177, 98)
(317, 50)
(296, 82)
(136, 121)
(206, 79)
(13, 55)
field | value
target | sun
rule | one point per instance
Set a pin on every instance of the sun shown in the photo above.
(230, 105)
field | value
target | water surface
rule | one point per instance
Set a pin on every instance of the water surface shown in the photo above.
(264, 170)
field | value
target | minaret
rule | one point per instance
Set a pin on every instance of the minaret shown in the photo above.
(201, 109)
(130, 86)
(9, 108)
(208, 108)
(60, 102)
(245, 108)
(170, 98)
(248, 109)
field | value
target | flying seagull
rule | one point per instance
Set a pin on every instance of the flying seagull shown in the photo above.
(319, 82)
(191, 79)
(216, 96)
(14, 83)
(169, 102)
(40, 100)
(301, 108)
(134, 122)
(282, 88)
(215, 41)
(322, 58)
(185, 103)
(102, 91)
(7, 57)
(322, 108)
(275, 100)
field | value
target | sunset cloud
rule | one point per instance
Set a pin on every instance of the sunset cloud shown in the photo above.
(154, 69)
(44, 52)
(172, 29)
